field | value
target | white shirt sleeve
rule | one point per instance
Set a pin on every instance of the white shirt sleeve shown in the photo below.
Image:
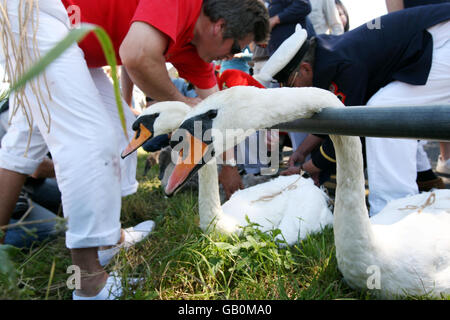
(332, 17)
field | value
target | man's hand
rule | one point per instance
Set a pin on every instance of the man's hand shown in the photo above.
(192, 102)
(290, 171)
(313, 171)
(45, 170)
(231, 180)
(297, 157)
(273, 21)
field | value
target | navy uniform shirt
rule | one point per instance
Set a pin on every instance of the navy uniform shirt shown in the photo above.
(415, 3)
(358, 63)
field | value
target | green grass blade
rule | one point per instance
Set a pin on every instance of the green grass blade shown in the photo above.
(52, 273)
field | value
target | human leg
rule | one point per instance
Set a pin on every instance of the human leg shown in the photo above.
(445, 150)
(93, 276)
(443, 163)
(10, 185)
(391, 168)
(401, 159)
(442, 66)
(401, 156)
(129, 164)
(17, 160)
(426, 178)
(83, 147)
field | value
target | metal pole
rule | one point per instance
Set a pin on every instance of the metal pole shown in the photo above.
(417, 122)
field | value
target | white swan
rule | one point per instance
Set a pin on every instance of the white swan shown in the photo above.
(293, 203)
(404, 250)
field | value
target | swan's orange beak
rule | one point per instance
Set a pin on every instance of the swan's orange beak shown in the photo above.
(188, 163)
(141, 135)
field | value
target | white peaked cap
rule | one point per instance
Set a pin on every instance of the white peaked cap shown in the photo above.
(283, 55)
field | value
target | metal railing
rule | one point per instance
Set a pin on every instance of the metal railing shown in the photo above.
(415, 122)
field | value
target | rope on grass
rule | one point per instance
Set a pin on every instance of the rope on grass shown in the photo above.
(21, 52)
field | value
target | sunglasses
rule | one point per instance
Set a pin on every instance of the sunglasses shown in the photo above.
(290, 81)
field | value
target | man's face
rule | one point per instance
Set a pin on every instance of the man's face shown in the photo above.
(217, 48)
(210, 43)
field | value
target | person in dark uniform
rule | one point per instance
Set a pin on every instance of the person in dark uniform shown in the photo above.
(403, 61)
(394, 5)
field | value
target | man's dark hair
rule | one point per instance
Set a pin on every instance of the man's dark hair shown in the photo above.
(242, 17)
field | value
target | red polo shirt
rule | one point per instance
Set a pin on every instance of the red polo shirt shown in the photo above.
(175, 18)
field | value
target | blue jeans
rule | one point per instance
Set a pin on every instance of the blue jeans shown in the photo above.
(23, 237)
(46, 201)
(45, 193)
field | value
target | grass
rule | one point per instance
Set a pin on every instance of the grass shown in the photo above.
(178, 261)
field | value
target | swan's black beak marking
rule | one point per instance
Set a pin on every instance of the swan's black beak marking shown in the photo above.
(144, 131)
(194, 149)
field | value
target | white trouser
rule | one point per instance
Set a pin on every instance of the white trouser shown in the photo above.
(392, 164)
(85, 137)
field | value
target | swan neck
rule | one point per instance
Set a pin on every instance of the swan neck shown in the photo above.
(351, 219)
(209, 206)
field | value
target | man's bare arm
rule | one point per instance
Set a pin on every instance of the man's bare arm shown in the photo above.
(142, 53)
(203, 93)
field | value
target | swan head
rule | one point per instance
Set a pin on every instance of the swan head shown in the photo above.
(199, 138)
(227, 117)
(160, 118)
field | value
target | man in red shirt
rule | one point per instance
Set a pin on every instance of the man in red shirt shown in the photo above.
(84, 135)
(188, 33)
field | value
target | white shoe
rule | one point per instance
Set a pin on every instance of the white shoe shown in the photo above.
(443, 169)
(111, 291)
(132, 236)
